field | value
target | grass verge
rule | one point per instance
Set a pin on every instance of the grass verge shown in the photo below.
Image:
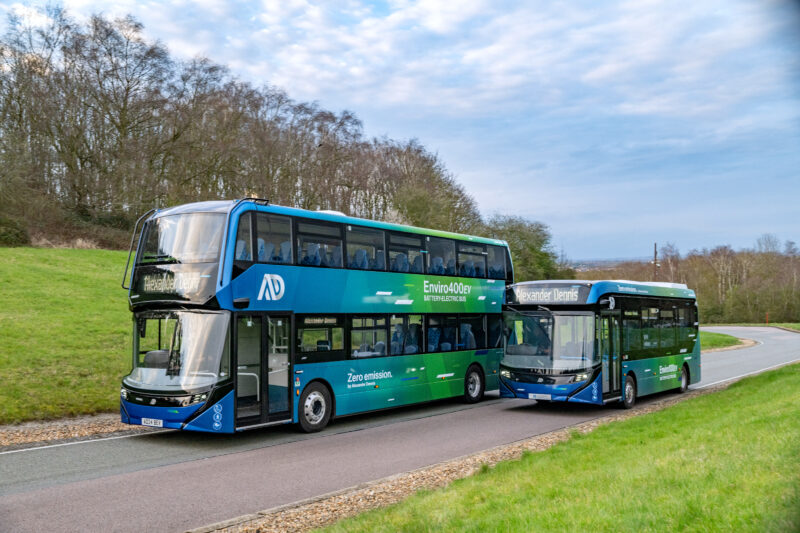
(788, 325)
(710, 340)
(64, 332)
(728, 461)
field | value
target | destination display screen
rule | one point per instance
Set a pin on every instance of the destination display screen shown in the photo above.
(549, 294)
(185, 283)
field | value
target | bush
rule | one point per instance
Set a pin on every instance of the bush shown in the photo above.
(12, 233)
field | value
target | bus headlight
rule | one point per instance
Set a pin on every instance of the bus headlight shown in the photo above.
(199, 397)
(505, 374)
(123, 393)
(583, 376)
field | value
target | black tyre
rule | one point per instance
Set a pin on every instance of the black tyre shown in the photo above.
(315, 407)
(684, 380)
(474, 385)
(629, 392)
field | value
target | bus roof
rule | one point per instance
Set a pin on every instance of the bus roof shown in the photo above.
(227, 206)
(590, 291)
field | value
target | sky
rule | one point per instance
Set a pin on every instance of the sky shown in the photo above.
(617, 124)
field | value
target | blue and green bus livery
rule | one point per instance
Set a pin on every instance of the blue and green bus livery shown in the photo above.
(247, 314)
(598, 342)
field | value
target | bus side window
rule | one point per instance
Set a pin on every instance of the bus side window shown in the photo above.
(274, 242)
(631, 334)
(667, 328)
(472, 260)
(319, 245)
(366, 249)
(243, 251)
(472, 332)
(496, 268)
(441, 256)
(368, 337)
(495, 327)
(319, 338)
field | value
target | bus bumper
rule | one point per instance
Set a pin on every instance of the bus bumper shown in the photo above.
(555, 393)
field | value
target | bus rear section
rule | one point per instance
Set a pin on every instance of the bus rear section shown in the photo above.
(598, 342)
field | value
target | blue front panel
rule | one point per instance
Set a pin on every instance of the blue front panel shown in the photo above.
(591, 394)
(533, 391)
(217, 419)
(173, 417)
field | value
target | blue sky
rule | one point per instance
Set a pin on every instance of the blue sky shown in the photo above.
(618, 124)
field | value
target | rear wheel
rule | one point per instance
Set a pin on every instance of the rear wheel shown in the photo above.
(315, 407)
(473, 385)
(684, 380)
(629, 392)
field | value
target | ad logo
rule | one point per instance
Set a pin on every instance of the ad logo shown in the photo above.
(272, 288)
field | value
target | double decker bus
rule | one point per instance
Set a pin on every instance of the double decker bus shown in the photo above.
(247, 314)
(598, 342)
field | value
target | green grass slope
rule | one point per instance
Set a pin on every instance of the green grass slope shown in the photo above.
(710, 340)
(728, 461)
(64, 332)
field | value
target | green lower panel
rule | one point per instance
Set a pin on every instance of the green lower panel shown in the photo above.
(368, 384)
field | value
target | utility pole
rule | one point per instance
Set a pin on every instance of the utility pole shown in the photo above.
(655, 261)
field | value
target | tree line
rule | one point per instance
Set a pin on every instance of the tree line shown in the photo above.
(731, 286)
(98, 124)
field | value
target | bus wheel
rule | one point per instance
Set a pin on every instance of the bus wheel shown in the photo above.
(473, 385)
(629, 393)
(315, 407)
(684, 379)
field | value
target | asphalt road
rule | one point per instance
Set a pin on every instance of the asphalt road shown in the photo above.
(173, 481)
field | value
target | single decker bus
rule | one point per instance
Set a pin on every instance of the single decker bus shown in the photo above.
(598, 342)
(247, 314)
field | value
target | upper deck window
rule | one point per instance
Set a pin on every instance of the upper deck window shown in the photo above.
(472, 260)
(319, 245)
(365, 249)
(441, 256)
(274, 239)
(497, 262)
(187, 238)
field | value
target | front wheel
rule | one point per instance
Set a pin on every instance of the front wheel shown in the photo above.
(473, 385)
(684, 380)
(315, 408)
(629, 393)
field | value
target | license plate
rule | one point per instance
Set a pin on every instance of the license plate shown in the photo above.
(533, 396)
(154, 422)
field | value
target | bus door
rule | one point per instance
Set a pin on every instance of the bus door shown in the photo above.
(262, 369)
(610, 352)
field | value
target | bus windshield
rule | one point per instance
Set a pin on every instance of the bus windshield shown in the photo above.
(180, 351)
(187, 238)
(549, 341)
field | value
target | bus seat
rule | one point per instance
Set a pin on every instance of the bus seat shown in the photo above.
(437, 266)
(451, 267)
(323, 346)
(396, 348)
(380, 348)
(411, 349)
(242, 251)
(479, 270)
(416, 266)
(468, 269)
(286, 252)
(413, 334)
(265, 250)
(433, 339)
(467, 337)
(445, 347)
(380, 262)
(156, 359)
(312, 257)
(361, 262)
(336, 257)
(400, 263)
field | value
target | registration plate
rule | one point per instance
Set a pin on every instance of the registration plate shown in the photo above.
(534, 396)
(154, 422)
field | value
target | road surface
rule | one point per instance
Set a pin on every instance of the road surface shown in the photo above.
(173, 481)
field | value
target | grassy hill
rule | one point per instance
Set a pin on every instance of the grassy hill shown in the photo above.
(64, 332)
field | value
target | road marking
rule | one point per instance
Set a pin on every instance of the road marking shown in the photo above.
(748, 374)
(85, 441)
